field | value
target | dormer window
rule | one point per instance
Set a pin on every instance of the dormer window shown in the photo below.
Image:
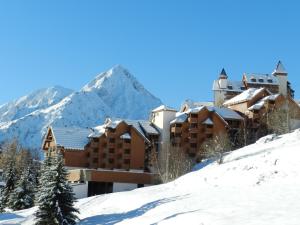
(230, 87)
(243, 88)
(253, 80)
(270, 81)
(260, 80)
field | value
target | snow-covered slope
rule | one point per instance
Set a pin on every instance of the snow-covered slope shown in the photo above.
(39, 99)
(115, 93)
(257, 185)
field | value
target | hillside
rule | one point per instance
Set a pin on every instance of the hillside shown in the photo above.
(258, 184)
(115, 93)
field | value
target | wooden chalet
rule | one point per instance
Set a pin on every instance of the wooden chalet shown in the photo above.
(108, 158)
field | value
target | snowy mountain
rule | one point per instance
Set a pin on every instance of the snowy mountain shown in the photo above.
(115, 93)
(257, 184)
(39, 99)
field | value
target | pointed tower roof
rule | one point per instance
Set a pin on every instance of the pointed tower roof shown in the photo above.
(223, 74)
(279, 69)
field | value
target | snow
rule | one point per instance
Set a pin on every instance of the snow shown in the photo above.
(237, 86)
(115, 93)
(226, 113)
(163, 108)
(261, 79)
(71, 137)
(280, 68)
(180, 118)
(125, 136)
(208, 121)
(244, 96)
(258, 184)
(260, 103)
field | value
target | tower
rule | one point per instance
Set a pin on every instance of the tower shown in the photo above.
(161, 118)
(220, 88)
(281, 75)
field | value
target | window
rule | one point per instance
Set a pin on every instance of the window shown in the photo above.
(112, 140)
(95, 150)
(209, 126)
(270, 81)
(104, 145)
(127, 141)
(95, 160)
(230, 87)
(178, 125)
(209, 135)
(119, 156)
(260, 80)
(193, 145)
(127, 161)
(104, 155)
(253, 80)
(120, 145)
(193, 125)
(178, 135)
(127, 151)
(243, 88)
(111, 161)
(96, 139)
(111, 150)
(193, 115)
(194, 135)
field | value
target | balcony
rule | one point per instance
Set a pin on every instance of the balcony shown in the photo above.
(193, 120)
(193, 140)
(209, 130)
(111, 145)
(177, 139)
(176, 129)
(193, 130)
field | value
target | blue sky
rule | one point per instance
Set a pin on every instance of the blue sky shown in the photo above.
(174, 48)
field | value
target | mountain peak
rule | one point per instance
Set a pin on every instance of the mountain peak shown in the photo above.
(115, 77)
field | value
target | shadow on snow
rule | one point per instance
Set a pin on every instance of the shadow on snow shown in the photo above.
(110, 219)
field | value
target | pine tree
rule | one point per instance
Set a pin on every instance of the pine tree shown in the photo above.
(22, 196)
(10, 180)
(56, 198)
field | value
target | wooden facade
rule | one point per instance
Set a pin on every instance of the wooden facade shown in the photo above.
(118, 153)
(200, 125)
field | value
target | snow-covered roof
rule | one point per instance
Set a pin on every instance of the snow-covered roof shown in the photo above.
(97, 131)
(71, 137)
(280, 69)
(163, 108)
(148, 128)
(244, 96)
(191, 104)
(232, 86)
(225, 113)
(125, 136)
(208, 121)
(260, 103)
(265, 79)
(180, 118)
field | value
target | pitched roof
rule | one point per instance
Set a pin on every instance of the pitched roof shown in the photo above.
(163, 108)
(71, 137)
(223, 74)
(180, 118)
(256, 78)
(258, 105)
(191, 104)
(279, 68)
(226, 113)
(244, 96)
(232, 86)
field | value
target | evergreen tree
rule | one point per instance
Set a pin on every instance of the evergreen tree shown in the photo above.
(22, 196)
(56, 198)
(10, 180)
